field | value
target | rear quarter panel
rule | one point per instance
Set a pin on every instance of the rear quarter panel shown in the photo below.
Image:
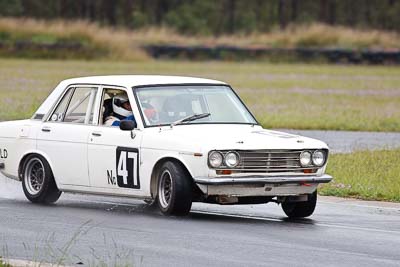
(16, 139)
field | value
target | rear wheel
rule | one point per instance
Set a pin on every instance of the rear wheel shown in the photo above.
(174, 191)
(300, 209)
(38, 181)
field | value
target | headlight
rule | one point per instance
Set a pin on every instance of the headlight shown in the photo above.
(215, 159)
(305, 158)
(231, 159)
(318, 158)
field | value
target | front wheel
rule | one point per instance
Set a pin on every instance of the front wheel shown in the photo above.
(174, 191)
(38, 181)
(300, 209)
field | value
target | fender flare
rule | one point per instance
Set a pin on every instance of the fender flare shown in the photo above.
(157, 166)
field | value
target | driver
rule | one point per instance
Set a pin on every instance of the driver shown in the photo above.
(122, 110)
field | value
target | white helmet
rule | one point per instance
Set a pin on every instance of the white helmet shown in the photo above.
(117, 102)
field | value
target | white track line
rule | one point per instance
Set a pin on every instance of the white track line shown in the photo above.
(345, 203)
(341, 226)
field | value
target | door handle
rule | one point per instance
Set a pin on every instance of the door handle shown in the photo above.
(96, 134)
(46, 129)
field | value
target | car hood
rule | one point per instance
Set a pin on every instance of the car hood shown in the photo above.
(231, 136)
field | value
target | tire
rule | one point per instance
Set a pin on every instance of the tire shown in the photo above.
(174, 190)
(300, 209)
(38, 181)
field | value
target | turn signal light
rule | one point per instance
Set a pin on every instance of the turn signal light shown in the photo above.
(308, 171)
(224, 172)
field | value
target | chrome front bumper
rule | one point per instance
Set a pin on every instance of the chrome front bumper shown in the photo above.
(239, 180)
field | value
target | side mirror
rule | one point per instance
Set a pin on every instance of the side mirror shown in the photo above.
(127, 125)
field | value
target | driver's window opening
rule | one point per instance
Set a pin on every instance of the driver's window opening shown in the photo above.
(112, 99)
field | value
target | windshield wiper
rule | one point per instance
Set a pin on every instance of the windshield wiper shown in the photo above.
(191, 118)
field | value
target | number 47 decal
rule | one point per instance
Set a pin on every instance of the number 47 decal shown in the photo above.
(127, 167)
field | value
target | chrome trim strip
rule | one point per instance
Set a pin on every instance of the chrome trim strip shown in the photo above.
(271, 152)
(267, 160)
(259, 179)
(285, 167)
(275, 169)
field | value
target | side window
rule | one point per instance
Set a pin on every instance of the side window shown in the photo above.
(77, 106)
(108, 115)
(59, 113)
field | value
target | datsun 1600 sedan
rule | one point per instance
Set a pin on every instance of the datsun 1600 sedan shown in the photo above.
(191, 140)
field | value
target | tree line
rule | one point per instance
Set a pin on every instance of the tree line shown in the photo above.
(214, 17)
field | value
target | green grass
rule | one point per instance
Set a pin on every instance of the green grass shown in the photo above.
(372, 175)
(2, 264)
(298, 96)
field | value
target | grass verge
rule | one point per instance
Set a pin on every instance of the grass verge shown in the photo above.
(296, 96)
(123, 44)
(2, 264)
(370, 175)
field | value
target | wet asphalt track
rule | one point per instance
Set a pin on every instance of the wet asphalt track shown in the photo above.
(93, 230)
(108, 230)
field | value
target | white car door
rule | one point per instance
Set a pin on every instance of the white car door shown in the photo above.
(64, 136)
(114, 158)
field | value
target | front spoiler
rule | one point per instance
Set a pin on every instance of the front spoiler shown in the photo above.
(325, 178)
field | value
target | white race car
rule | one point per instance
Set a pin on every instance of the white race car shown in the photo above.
(191, 140)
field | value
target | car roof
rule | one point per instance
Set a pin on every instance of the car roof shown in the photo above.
(139, 80)
(127, 81)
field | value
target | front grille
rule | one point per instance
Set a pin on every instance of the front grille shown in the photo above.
(269, 161)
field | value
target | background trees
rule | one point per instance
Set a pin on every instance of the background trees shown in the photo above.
(213, 17)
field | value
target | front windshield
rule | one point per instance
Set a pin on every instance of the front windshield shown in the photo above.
(164, 105)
